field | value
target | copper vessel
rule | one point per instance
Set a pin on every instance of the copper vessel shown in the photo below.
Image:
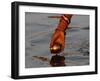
(56, 48)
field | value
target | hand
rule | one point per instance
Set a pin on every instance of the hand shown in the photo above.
(57, 43)
(58, 38)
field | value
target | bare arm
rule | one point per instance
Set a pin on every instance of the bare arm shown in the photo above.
(59, 34)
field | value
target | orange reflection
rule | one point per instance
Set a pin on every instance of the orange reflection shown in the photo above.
(57, 60)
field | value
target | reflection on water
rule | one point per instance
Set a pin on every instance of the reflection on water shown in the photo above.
(57, 60)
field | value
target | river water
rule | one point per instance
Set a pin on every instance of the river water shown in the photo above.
(38, 32)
